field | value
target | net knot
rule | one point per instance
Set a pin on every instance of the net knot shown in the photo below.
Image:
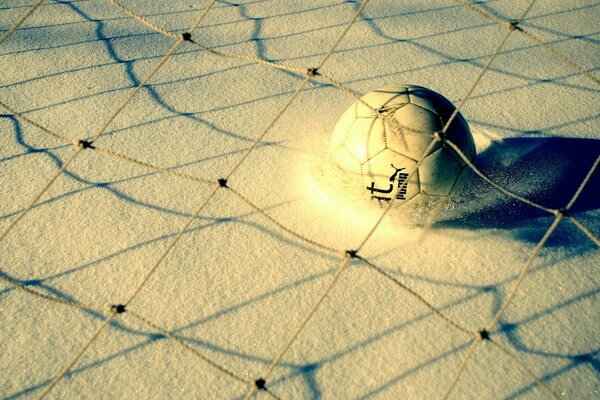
(86, 144)
(222, 182)
(313, 72)
(561, 212)
(484, 334)
(187, 36)
(118, 308)
(381, 110)
(260, 384)
(440, 136)
(351, 253)
(514, 25)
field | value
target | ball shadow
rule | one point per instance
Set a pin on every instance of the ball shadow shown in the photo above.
(547, 171)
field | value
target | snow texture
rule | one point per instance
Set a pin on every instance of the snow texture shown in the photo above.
(236, 287)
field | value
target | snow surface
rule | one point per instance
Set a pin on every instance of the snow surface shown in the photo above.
(236, 287)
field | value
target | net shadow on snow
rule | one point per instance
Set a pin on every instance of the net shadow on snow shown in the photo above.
(110, 186)
(547, 171)
(552, 181)
(108, 40)
(308, 371)
(574, 360)
(131, 75)
(148, 339)
(476, 61)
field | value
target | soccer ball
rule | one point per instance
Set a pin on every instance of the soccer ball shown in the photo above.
(378, 141)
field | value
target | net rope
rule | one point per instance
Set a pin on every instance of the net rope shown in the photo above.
(347, 257)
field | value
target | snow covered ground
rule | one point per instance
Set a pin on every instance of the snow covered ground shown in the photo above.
(235, 287)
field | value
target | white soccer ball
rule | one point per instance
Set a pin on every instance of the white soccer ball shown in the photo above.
(378, 146)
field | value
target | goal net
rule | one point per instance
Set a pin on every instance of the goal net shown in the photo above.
(161, 234)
